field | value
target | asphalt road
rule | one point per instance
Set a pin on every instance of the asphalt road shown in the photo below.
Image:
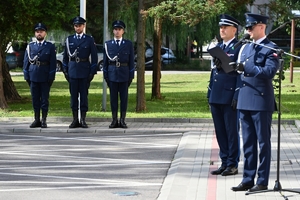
(77, 166)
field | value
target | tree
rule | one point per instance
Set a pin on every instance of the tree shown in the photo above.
(281, 9)
(19, 17)
(2, 98)
(185, 13)
(140, 96)
(182, 12)
(156, 94)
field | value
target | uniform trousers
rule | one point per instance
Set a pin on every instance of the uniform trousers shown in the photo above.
(40, 96)
(79, 86)
(256, 130)
(116, 88)
(226, 127)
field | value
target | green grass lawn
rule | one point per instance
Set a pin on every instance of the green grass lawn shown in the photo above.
(184, 97)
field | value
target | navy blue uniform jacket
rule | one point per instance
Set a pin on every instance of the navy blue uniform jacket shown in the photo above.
(260, 66)
(125, 55)
(46, 54)
(86, 49)
(224, 87)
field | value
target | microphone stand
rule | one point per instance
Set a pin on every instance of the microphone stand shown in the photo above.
(278, 51)
(277, 186)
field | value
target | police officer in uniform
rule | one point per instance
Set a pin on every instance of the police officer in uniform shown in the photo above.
(222, 96)
(39, 69)
(256, 103)
(79, 70)
(118, 71)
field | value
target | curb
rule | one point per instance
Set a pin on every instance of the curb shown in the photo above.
(153, 120)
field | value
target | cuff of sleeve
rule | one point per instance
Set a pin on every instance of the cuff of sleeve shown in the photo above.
(258, 70)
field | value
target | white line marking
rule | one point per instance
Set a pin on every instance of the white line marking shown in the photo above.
(71, 178)
(78, 157)
(82, 187)
(82, 166)
(89, 139)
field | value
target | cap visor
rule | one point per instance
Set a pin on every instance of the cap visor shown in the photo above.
(42, 29)
(117, 26)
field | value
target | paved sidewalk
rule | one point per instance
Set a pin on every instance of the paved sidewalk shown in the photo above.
(189, 176)
(197, 155)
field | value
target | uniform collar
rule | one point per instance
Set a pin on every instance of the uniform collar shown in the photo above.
(118, 39)
(260, 40)
(79, 35)
(228, 42)
(42, 42)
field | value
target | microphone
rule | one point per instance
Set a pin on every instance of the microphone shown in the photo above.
(245, 37)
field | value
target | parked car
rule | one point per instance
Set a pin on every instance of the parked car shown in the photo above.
(100, 52)
(167, 57)
(15, 54)
(59, 61)
(99, 47)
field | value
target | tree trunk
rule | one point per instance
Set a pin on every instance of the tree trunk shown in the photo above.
(140, 96)
(157, 59)
(3, 103)
(8, 91)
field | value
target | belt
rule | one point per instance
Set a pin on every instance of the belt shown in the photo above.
(39, 63)
(76, 59)
(118, 64)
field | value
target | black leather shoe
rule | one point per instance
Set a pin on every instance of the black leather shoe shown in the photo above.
(256, 188)
(114, 124)
(230, 171)
(122, 123)
(83, 124)
(218, 171)
(241, 187)
(35, 124)
(43, 124)
(75, 123)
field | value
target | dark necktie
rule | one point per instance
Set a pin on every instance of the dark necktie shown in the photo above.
(39, 44)
(117, 42)
(78, 37)
(224, 46)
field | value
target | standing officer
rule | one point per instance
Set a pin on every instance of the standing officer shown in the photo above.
(256, 103)
(79, 70)
(222, 96)
(39, 69)
(118, 71)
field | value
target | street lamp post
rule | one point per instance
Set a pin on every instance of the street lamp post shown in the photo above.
(296, 14)
(105, 37)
